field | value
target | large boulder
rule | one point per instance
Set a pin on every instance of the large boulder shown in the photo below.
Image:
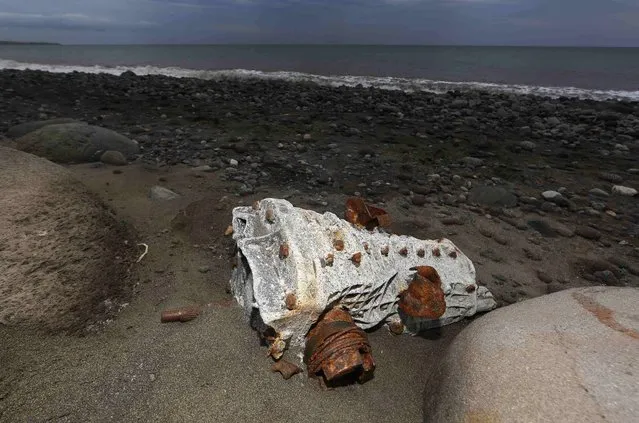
(75, 143)
(63, 255)
(572, 356)
(22, 129)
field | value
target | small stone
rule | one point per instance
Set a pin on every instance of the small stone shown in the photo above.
(473, 161)
(532, 254)
(528, 145)
(625, 191)
(113, 158)
(418, 200)
(233, 162)
(452, 221)
(229, 230)
(160, 193)
(550, 195)
(544, 277)
(598, 192)
(606, 277)
(588, 233)
(204, 269)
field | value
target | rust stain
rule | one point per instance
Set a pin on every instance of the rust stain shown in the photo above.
(385, 251)
(356, 258)
(403, 251)
(421, 252)
(338, 244)
(290, 301)
(436, 252)
(284, 252)
(424, 296)
(604, 315)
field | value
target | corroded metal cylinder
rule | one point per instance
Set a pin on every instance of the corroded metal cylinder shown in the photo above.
(337, 349)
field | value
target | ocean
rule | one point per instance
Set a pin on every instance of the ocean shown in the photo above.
(589, 73)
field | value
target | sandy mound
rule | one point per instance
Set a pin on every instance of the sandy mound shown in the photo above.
(63, 260)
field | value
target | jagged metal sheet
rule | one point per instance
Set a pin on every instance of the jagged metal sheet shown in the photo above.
(263, 278)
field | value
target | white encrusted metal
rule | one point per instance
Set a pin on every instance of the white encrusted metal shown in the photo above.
(264, 276)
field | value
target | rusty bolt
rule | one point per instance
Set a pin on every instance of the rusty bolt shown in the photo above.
(385, 251)
(356, 258)
(338, 244)
(404, 251)
(436, 252)
(330, 258)
(270, 215)
(421, 252)
(284, 250)
(291, 301)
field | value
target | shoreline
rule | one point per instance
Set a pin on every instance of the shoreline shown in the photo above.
(411, 85)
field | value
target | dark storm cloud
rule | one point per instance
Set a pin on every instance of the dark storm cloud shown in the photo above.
(550, 22)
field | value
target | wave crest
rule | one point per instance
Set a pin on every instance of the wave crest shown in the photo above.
(387, 83)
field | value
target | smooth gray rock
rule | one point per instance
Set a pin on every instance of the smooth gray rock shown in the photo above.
(18, 131)
(625, 191)
(75, 143)
(570, 356)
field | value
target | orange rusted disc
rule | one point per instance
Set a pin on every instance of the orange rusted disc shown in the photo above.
(424, 296)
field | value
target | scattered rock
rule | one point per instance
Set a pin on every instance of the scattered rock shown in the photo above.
(625, 191)
(544, 277)
(598, 192)
(418, 200)
(528, 145)
(588, 232)
(452, 221)
(492, 196)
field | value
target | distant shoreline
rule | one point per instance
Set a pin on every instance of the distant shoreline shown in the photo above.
(31, 43)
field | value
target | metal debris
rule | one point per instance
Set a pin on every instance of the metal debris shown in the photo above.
(337, 349)
(183, 314)
(359, 213)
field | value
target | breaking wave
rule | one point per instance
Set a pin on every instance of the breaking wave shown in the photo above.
(387, 83)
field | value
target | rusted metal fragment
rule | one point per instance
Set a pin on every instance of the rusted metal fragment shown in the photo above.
(338, 350)
(359, 213)
(290, 301)
(424, 296)
(183, 314)
(286, 369)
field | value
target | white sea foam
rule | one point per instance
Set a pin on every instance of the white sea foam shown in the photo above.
(388, 83)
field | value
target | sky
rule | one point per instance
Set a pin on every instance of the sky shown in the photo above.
(466, 22)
